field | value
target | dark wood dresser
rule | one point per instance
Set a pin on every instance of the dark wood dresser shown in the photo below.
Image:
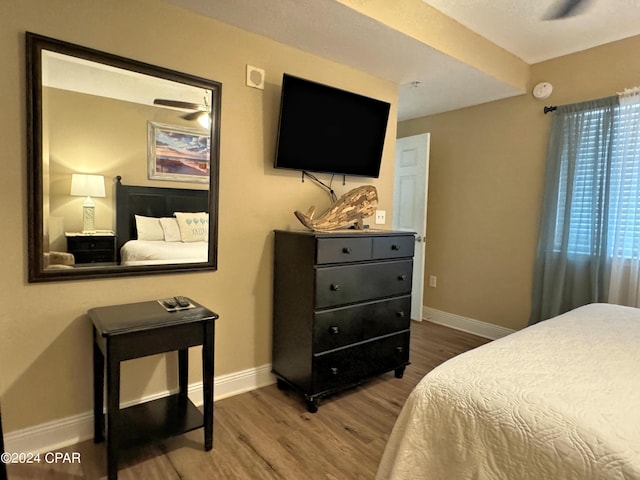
(342, 304)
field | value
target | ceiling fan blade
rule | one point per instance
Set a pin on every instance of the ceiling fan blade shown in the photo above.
(179, 104)
(192, 115)
(566, 8)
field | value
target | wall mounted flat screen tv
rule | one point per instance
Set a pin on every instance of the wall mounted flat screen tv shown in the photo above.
(329, 130)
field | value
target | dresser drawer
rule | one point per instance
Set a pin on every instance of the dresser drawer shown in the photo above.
(393, 247)
(345, 284)
(342, 326)
(338, 250)
(355, 363)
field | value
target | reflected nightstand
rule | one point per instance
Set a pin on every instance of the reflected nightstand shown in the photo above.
(99, 247)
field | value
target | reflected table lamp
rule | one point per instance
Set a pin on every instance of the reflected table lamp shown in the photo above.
(88, 186)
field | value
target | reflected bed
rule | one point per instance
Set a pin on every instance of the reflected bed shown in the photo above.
(155, 252)
(133, 202)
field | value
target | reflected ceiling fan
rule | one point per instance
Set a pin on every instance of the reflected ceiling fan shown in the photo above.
(566, 8)
(199, 111)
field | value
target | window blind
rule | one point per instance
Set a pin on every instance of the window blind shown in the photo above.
(599, 184)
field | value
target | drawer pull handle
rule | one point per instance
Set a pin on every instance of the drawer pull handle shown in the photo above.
(400, 314)
(335, 287)
(395, 247)
(346, 250)
(399, 349)
(334, 329)
(334, 370)
(402, 277)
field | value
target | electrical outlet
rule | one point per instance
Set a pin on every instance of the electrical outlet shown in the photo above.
(381, 217)
(433, 281)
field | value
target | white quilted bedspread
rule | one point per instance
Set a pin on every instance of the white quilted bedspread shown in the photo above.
(154, 252)
(556, 401)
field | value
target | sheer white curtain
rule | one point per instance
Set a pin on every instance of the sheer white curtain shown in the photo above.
(624, 219)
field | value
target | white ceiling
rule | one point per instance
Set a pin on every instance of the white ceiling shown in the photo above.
(332, 30)
(519, 26)
(84, 76)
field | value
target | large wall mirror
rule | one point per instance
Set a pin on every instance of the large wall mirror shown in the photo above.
(122, 165)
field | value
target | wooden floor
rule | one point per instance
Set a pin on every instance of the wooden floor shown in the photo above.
(268, 434)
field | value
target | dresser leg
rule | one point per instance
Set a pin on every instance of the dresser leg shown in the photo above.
(399, 372)
(312, 405)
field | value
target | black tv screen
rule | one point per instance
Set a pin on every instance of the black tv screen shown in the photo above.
(325, 129)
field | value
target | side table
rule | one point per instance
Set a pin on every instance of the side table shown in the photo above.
(125, 332)
(99, 247)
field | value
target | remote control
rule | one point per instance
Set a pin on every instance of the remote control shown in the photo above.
(170, 302)
(182, 301)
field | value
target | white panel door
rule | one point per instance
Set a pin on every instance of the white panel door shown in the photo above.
(410, 205)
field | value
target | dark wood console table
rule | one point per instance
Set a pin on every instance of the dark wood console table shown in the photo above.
(125, 332)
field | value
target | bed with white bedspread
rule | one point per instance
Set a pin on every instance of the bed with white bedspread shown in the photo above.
(559, 400)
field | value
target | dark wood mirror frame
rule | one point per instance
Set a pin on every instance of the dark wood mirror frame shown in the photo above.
(35, 45)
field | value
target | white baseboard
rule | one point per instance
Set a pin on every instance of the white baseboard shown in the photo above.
(240, 382)
(68, 431)
(469, 325)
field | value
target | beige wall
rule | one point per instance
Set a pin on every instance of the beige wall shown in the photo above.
(45, 341)
(485, 185)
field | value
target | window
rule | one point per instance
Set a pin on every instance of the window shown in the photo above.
(599, 184)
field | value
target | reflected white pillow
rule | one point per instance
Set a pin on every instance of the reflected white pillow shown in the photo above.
(171, 229)
(149, 228)
(194, 227)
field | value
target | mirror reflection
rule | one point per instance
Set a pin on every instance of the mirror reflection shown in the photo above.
(124, 157)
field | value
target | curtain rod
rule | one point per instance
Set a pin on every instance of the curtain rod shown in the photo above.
(627, 92)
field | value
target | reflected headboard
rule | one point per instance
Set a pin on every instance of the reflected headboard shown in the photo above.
(158, 202)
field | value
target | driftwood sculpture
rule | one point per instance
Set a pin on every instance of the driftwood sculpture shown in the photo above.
(348, 211)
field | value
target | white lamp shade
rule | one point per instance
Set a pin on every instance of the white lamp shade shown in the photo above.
(83, 185)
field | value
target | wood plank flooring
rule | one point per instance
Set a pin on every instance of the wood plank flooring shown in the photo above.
(268, 434)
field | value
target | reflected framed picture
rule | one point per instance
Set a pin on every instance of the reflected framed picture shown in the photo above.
(179, 154)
